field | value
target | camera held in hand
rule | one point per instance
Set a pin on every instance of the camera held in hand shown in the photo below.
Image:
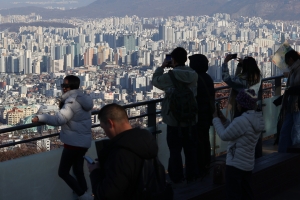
(169, 59)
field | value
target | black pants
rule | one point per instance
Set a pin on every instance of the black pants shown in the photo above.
(178, 138)
(73, 158)
(238, 184)
(203, 149)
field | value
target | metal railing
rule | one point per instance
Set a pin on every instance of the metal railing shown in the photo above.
(276, 86)
(151, 112)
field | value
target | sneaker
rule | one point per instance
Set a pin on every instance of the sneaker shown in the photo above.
(86, 196)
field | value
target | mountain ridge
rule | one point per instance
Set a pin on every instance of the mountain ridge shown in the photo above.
(267, 9)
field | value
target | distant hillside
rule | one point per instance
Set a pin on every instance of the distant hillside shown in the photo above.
(268, 9)
(43, 3)
(14, 27)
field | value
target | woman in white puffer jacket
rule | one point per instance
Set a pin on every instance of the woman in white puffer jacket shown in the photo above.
(242, 135)
(74, 117)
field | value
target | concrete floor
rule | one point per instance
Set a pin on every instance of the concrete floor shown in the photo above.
(188, 191)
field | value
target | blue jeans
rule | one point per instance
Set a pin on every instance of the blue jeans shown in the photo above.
(178, 139)
(290, 131)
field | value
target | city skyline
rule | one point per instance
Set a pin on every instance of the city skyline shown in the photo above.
(115, 57)
(268, 9)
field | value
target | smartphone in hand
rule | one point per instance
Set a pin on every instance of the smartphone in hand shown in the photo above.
(218, 107)
(89, 159)
(168, 57)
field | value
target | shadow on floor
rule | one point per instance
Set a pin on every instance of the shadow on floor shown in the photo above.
(202, 186)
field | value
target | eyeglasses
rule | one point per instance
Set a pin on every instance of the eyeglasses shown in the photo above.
(64, 85)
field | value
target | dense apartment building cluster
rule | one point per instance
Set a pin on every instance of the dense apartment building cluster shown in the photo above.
(134, 41)
(115, 57)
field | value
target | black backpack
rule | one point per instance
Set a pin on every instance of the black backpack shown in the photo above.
(152, 182)
(183, 104)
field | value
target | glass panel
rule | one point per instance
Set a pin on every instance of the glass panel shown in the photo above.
(221, 146)
(270, 113)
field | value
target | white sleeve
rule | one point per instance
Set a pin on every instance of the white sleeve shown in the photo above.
(234, 130)
(61, 117)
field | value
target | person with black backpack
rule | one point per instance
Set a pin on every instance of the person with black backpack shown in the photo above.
(179, 112)
(127, 167)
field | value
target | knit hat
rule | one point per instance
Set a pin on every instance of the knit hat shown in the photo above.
(247, 99)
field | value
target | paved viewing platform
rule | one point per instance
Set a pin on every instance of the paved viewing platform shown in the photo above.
(275, 176)
(206, 189)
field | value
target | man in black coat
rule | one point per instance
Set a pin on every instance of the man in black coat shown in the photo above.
(116, 175)
(206, 101)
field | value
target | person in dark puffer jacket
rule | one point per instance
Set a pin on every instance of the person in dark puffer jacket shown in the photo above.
(117, 173)
(290, 110)
(205, 99)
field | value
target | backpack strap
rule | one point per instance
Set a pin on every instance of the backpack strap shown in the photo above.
(173, 79)
(177, 84)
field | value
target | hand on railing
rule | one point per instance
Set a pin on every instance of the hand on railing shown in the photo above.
(218, 113)
(35, 119)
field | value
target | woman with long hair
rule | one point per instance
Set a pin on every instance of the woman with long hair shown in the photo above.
(74, 117)
(247, 76)
(242, 135)
(290, 130)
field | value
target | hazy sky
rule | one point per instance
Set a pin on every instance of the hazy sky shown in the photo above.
(11, 4)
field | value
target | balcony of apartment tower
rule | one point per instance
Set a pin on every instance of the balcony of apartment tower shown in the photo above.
(275, 176)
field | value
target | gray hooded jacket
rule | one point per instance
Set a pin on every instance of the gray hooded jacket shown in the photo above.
(163, 81)
(74, 118)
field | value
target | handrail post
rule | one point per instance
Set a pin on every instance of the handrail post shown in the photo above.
(277, 86)
(151, 111)
(260, 95)
(258, 147)
(214, 143)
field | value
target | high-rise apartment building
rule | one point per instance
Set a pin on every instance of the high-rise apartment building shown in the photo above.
(88, 56)
(127, 40)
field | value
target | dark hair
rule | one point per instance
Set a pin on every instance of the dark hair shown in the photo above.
(113, 112)
(243, 110)
(251, 71)
(291, 54)
(73, 82)
(199, 63)
(61, 104)
(179, 54)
